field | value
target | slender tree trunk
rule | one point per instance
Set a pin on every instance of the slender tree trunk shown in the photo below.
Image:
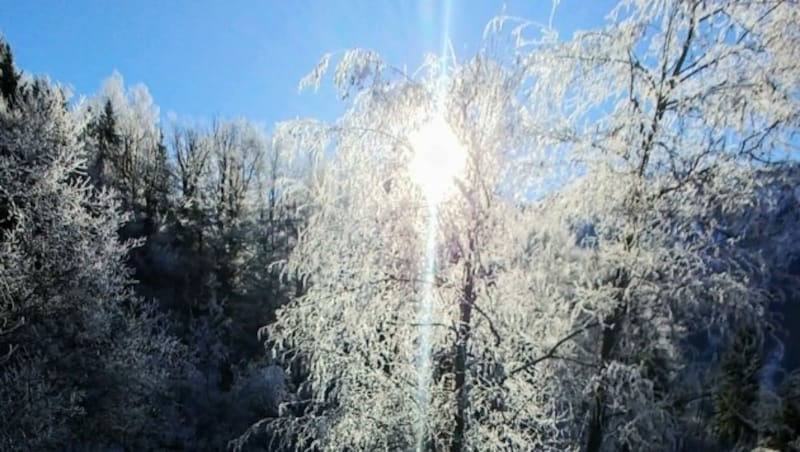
(612, 326)
(462, 342)
(594, 439)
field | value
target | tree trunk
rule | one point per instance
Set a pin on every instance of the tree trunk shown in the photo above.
(611, 328)
(594, 439)
(462, 341)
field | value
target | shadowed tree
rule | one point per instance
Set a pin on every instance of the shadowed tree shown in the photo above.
(9, 77)
(84, 362)
(736, 394)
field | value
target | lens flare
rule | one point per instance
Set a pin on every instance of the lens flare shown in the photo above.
(438, 159)
(424, 367)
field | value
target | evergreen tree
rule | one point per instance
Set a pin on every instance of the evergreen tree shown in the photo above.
(85, 362)
(104, 131)
(788, 432)
(9, 77)
(736, 394)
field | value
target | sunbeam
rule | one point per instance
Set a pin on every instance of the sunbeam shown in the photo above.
(425, 319)
(438, 159)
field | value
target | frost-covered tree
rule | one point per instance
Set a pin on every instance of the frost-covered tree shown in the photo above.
(672, 105)
(106, 139)
(586, 248)
(84, 362)
(358, 326)
(238, 150)
(229, 226)
(220, 175)
(127, 151)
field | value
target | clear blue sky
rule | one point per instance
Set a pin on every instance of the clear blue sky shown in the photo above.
(245, 57)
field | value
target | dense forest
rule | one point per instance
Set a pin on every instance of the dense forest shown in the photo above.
(614, 265)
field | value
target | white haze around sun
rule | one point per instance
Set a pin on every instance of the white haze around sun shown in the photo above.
(438, 158)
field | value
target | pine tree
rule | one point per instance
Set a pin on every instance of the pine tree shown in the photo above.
(788, 436)
(9, 87)
(104, 131)
(736, 394)
(9, 77)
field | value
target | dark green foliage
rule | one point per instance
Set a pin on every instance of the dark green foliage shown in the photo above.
(159, 184)
(736, 394)
(104, 129)
(9, 80)
(9, 77)
(788, 433)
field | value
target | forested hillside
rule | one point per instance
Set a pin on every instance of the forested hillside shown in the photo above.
(613, 264)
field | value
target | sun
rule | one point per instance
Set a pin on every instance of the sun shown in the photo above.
(438, 158)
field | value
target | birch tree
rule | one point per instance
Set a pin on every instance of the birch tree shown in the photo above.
(676, 103)
(588, 244)
(358, 327)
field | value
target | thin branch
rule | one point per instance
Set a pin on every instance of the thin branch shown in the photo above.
(497, 337)
(551, 353)
(6, 330)
(682, 402)
(687, 44)
(419, 324)
(572, 360)
(11, 349)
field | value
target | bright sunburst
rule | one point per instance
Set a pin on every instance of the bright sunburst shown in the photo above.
(438, 159)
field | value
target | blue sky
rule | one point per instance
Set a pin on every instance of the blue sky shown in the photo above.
(244, 57)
